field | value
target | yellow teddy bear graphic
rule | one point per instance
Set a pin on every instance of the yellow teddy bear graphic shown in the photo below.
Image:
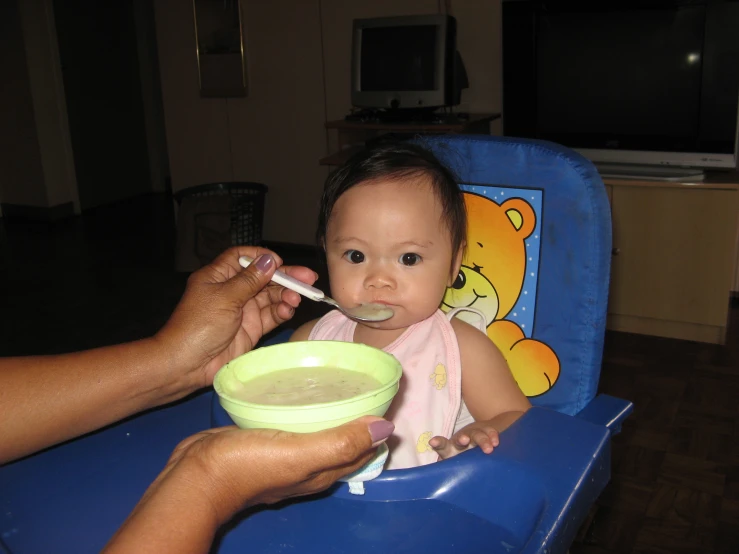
(491, 279)
(439, 376)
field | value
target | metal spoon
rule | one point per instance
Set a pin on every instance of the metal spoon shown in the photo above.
(363, 312)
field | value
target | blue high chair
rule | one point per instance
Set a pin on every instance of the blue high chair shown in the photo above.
(535, 208)
(539, 211)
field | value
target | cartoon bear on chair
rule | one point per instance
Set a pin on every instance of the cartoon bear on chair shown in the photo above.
(491, 280)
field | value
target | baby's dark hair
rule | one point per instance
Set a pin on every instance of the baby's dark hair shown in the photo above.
(398, 161)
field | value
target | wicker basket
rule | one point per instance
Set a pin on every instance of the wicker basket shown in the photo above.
(215, 216)
(247, 207)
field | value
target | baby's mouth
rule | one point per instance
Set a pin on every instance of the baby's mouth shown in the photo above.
(383, 302)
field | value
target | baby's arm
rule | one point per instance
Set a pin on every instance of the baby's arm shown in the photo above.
(489, 391)
(303, 332)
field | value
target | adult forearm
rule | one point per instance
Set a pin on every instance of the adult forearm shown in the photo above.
(49, 399)
(172, 517)
(214, 474)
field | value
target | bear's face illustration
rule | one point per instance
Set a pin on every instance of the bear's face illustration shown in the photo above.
(494, 264)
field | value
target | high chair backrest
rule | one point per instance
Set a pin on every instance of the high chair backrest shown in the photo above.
(537, 262)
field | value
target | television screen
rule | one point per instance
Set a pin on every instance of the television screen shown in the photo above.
(598, 86)
(398, 58)
(624, 76)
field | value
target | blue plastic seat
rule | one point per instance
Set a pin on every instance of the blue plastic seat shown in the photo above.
(529, 496)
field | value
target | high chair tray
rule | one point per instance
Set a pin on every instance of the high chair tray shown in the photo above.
(528, 496)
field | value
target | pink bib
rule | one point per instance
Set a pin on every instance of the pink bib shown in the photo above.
(429, 402)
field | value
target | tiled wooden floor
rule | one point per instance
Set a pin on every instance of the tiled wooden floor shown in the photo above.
(108, 277)
(675, 486)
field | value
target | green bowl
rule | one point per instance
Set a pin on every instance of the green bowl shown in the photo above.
(312, 417)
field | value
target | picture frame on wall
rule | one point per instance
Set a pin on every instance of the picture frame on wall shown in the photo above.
(219, 40)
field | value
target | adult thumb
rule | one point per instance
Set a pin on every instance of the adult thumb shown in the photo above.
(247, 283)
(347, 444)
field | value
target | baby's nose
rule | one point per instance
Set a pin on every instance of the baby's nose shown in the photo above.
(379, 276)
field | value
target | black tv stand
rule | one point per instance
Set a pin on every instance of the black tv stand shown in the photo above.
(422, 116)
(400, 115)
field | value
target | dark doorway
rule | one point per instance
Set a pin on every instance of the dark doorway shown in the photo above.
(102, 84)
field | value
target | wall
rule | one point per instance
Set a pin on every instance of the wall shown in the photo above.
(49, 103)
(36, 166)
(298, 55)
(479, 41)
(275, 135)
(151, 93)
(735, 287)
(197, 129)
(20, 161)
(277, 132)
(97, 45)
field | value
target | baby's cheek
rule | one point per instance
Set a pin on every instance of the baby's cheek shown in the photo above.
(426, 302)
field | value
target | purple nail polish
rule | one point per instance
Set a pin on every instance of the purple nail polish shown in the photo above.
(380, 430)
(264, 262)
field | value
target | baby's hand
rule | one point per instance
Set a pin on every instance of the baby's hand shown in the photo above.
(480, 433)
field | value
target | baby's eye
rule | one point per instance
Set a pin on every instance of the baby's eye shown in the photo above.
(354, 256)
(410, 259)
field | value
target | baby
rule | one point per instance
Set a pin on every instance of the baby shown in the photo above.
(393, 226)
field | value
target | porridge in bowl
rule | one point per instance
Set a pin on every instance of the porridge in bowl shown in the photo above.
(306, 385)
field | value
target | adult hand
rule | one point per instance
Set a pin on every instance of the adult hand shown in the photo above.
(214, 474)
(223, 313)
(263, 466)
(225, 310)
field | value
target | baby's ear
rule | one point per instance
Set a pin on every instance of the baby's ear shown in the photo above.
(456, 264)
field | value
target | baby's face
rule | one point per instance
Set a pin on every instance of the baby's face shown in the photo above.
(386, 242)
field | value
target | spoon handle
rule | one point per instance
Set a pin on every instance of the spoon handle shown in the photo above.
(289, 282)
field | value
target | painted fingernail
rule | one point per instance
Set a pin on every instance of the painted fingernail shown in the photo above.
(264, 262)
(380, 430)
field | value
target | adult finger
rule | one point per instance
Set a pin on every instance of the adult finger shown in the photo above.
(279, 294)
(344, 445)
(226, 264)
(304, 274)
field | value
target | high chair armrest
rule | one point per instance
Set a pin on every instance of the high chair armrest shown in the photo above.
(608, 411)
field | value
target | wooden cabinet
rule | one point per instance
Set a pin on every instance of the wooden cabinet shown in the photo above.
(674, 257)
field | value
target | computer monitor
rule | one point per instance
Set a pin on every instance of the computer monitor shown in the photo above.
(405, 62)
